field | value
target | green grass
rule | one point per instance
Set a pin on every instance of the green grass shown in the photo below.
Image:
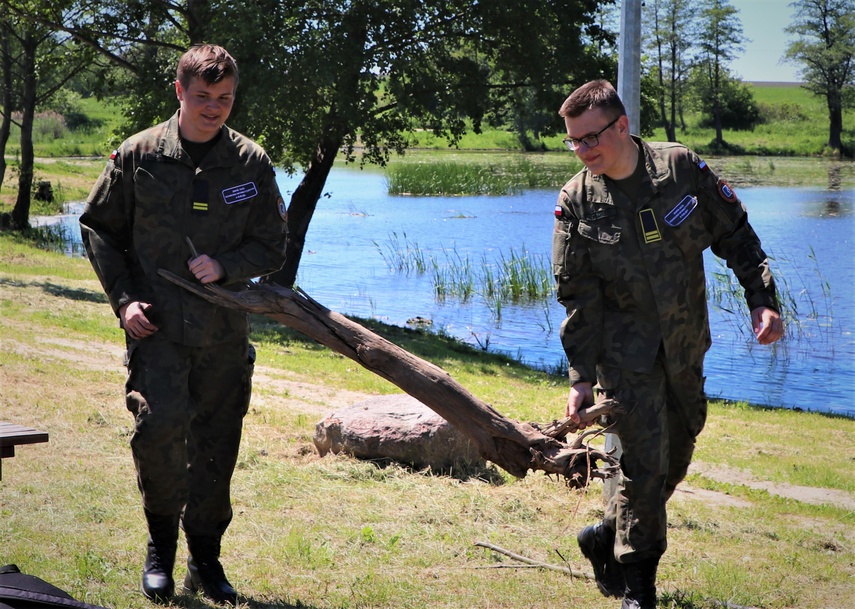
(494, 175)
(337, 533)
(53, 138)
(796, 125)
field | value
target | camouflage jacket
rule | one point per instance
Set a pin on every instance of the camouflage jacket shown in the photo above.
(631, 275)
(151, 198)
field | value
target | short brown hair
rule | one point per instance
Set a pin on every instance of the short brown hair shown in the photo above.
(593, 94)
(209, 62)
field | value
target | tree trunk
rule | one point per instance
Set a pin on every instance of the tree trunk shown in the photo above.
(197, 20)
(6, 120)
(835, 124)
(21, 212)
(302, 207)
(516, 447)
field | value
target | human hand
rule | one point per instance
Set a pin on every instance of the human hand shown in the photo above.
(206, 269)
(768, 325)
(581, 395)
(134, 321)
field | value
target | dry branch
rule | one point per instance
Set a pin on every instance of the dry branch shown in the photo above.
(516, 447)
(534, 563)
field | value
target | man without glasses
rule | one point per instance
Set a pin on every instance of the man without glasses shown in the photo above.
(200, 200)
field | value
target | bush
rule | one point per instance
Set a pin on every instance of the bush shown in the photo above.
(783, 112)
(49, 126)
(739, 110)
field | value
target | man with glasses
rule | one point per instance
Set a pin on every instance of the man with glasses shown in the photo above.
(628, 244)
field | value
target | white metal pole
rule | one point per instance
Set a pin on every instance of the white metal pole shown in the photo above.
(629, 61)
(629, 89)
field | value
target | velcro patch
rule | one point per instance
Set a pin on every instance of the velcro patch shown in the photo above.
(239, 193)
(726, 192)
(283, 209)
(681, 211)
(649, 227)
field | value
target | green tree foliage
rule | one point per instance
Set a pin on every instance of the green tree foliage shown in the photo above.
(720, 39)
(669, 42)
(37, 62)
(365, 73)
(825, 50)
(323, 76)
(737, 108)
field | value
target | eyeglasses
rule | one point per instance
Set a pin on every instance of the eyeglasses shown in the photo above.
(589, 141)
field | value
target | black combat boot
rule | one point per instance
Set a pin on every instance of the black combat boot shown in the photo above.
(640, 579)
(597, 543)
(204, 571)
(157, 583)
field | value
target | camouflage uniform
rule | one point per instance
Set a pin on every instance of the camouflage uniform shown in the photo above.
(189, 383)
(631, 276)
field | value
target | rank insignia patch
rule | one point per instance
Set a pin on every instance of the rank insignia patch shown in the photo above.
(649, 227)
(200, 197)
(726, 192)
(681, 211)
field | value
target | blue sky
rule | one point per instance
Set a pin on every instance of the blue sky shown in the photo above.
(763, 23)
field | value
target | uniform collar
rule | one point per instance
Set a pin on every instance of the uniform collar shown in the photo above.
(223, 154)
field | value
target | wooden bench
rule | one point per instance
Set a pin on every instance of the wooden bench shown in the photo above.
(12, 435)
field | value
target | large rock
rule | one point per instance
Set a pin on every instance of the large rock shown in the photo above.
(397, 427)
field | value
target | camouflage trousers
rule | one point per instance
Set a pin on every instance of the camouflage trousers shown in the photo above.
(188, 404)
(663, 413)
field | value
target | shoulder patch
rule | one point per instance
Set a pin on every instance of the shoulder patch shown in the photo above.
(282, 208)
(702, 165)
(726, 192)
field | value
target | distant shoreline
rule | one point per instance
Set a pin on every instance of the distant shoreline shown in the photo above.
(771, 83)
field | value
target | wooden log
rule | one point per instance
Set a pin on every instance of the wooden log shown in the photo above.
(516, 447)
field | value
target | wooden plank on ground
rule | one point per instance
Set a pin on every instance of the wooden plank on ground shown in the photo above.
(12, 435)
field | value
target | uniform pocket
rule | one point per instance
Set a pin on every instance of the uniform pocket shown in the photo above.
(150, 189)
(606, 234)
(561, 236)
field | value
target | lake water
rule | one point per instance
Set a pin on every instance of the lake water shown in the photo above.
(810, 233)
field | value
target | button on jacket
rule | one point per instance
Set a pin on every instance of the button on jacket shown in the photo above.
(151, 198)
(631, 274)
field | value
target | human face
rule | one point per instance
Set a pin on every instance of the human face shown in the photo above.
(607, 156)
(204, 107)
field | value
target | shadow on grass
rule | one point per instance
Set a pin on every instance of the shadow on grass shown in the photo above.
(189, 601)
(472, 471)
(439, 349)
(729, 404)
(60, 291)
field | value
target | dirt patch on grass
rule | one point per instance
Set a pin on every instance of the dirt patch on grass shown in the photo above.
(269, 386)
(805, 494)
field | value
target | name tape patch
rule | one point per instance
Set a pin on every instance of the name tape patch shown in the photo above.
(239, 193)
(681, 211)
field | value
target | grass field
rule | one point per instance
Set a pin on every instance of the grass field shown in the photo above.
(765, 519)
